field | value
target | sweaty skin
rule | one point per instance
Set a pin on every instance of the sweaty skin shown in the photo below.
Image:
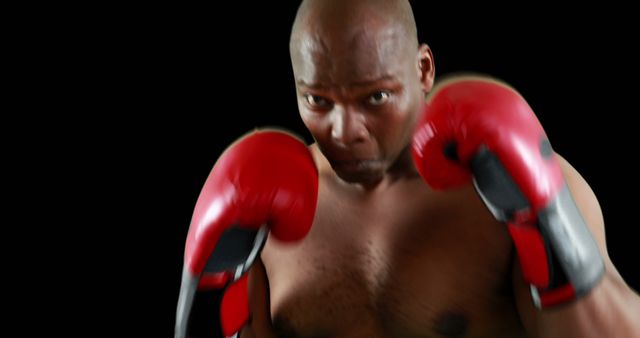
(387, 256)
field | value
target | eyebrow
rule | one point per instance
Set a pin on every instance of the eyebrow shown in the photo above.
(311, 85)
(363, 83)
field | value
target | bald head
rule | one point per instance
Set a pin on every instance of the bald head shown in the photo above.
(347, 18)
(352, 39)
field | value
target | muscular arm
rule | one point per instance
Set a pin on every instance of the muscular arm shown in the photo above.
(611, 309)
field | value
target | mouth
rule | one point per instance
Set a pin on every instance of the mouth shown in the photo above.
(353, 165)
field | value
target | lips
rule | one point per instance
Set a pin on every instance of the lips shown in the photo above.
(350, 161)
(352, 165)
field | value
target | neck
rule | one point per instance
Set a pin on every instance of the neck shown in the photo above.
(401, 169)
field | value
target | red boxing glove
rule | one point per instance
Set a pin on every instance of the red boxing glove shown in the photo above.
(266, 181)
(480, 130)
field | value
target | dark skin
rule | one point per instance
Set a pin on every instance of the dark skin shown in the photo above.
(387, 256)
(359, 90)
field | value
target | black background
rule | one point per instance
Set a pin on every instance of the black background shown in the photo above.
(165, 88)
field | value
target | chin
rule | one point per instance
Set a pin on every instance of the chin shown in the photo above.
(363, 176)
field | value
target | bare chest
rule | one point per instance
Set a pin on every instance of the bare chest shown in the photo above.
(425, 264)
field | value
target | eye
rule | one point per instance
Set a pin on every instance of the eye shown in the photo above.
(378, 98)
(316, 101)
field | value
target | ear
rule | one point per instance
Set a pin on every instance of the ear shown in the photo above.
(426, 68)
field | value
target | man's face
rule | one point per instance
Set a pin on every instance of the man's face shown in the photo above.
(358, 94)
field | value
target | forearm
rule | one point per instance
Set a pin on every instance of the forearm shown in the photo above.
(611, 309)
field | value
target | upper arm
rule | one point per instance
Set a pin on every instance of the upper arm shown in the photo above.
(589, 207)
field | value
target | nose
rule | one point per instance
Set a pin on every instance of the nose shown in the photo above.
(348, 127)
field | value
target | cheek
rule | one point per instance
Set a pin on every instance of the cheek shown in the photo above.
(402, 112)
(397, 127)
(314, 124)
(409, 109)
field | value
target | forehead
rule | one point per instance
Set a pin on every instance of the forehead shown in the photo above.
(339, 54)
